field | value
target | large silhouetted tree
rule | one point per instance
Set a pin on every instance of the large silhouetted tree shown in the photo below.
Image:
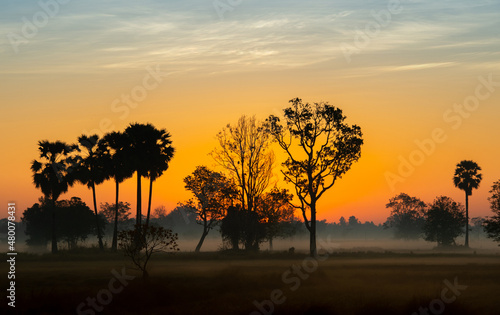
(326, 148)
(91, 171)
(149, 152)
(214, 193)
(158, 161)
(244, 151)
(50, 174)
(492, 224)
(444, 221)
(113, 154)
(407, 216)
(467, 178)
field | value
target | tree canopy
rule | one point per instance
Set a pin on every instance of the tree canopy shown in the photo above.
(407, 216)
(492, 224)
(444, 221)
(325, 149)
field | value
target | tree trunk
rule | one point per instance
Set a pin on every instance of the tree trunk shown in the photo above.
(114, 245)
(139, 201)
(312, 233)
(149, 202)
(270, 244)
(52, 205)
(467, 220)
(202, 239)
(99, 235)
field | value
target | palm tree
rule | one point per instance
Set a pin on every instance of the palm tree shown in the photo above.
(50, 174)
(140, 145)
(148, 153)
(91, 172)
(467, 178)
(112, 147)
(158, 161)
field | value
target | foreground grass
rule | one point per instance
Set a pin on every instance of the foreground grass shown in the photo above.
(214, 283)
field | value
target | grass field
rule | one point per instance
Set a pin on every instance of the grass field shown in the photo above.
(218, 283)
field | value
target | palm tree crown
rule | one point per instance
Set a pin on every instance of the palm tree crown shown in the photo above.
(467, 176)
(112, 147)
(51, 173)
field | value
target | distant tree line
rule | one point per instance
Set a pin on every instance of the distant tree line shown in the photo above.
(443, 220)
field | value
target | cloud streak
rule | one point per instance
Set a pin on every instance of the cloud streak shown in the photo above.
(94, 36)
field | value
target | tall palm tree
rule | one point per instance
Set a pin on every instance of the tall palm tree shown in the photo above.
(112, 146)
(467, 178)
(91, 172)
(158, 161)
(50, 174)
(149, 150)
(140, 146)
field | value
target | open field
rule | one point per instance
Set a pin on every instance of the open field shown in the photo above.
(217, 283)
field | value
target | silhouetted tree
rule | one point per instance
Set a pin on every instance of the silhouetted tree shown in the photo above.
(342, 222)
(153, 239)
(160, 212)
(158, 161)
(74, 222)
(113, 155)
(277, 213)
(149, 151)
(38, 224)
(444, 221)
(407, 216)
(50, 174)
(244, 151)
(492, 224)
(467, 178)
(90, 171)
(327, 148)
(181, 218)
(109, 211)
(242, 226)
(353, 221)
(214, 193)
(477, 225)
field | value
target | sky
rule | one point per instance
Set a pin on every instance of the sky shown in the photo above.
(421, 79)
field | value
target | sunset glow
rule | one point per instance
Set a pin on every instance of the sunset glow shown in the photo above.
(423, 85)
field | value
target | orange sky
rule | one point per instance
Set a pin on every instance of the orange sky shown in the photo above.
(399, 89)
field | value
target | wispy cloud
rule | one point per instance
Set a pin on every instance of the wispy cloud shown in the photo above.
(421, 66)
(93, 36)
